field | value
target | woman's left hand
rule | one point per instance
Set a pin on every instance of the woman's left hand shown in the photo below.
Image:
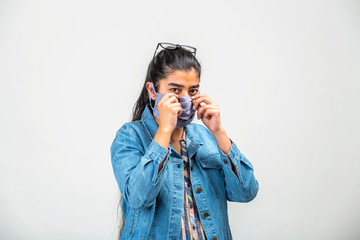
(209, 112)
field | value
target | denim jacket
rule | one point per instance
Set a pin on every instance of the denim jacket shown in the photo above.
(152, 202)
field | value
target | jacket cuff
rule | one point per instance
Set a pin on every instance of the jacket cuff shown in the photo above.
(235, 156)
(157, 153)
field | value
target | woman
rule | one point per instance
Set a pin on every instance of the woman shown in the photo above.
(175, 177)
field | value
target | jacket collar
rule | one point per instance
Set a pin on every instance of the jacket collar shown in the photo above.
(193, 142)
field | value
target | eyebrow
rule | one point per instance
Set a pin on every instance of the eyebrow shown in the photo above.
(181, 86)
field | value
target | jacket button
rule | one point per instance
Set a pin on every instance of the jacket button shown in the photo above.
(225, 161)
(192, 167)
(206, 214)
(214, 238)
(199, 189)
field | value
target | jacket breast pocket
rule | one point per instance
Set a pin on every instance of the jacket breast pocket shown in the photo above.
(212, 161)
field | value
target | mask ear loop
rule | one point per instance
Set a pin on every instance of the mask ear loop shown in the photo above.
(153, 90)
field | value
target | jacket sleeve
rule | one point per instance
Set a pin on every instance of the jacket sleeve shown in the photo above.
(136, 169)
(244, 188)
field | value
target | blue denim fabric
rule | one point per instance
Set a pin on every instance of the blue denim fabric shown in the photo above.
(152, 201)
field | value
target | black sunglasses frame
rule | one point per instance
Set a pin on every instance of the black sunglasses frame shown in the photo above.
(174, 46)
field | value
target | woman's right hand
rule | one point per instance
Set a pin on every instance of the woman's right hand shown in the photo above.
(169, 109)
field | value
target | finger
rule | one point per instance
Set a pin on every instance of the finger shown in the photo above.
(209, 113)
(203, 108)
(169, 99)
(173, 99)
(168, 95)
(198, 95)
(176, 107)
(205, 99)
(206, 106)
(178, 110)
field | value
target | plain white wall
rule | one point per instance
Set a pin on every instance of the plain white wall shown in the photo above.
(284, 73)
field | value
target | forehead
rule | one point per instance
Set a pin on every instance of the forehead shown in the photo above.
(181, 77)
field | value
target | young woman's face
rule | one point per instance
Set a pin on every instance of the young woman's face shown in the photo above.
(182, 83)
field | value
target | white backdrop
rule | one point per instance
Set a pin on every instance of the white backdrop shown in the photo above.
(286, 75)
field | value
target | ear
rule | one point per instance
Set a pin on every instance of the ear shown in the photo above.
(150, 91)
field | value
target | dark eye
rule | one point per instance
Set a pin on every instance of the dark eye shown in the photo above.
(174, 90)
(194, 91)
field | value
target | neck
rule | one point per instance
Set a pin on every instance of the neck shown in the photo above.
(177, 134)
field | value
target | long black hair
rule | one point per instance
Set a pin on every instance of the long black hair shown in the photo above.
(164, 63)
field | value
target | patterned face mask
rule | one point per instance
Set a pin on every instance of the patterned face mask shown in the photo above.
(187, 114)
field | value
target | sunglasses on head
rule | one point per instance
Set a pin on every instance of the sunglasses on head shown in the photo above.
(166, 45)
